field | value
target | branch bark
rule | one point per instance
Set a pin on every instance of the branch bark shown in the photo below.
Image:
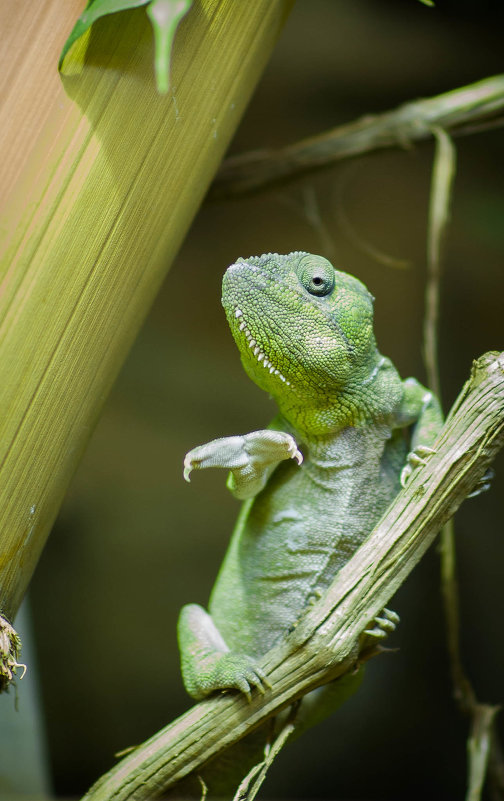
(457, 112)
(324, 644)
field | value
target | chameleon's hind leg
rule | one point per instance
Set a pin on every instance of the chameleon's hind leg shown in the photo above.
(206, 661)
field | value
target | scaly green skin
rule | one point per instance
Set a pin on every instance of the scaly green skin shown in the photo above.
(305, 335)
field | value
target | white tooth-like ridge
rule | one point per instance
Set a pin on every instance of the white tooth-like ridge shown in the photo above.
(260, 356)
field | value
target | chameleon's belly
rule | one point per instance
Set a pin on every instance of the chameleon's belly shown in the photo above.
(303, 527)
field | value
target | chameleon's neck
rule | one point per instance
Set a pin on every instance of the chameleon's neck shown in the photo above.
(367, 400)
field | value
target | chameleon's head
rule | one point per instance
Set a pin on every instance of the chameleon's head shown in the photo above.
(301, 326)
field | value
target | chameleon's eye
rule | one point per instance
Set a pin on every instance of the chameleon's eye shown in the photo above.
(318, 279)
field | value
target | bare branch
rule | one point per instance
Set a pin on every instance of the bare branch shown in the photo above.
(456, 111)
(324, 644)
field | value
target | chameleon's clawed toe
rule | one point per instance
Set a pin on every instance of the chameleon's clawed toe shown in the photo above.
(416, 458)
(385, 624)
(483, 484)
(236, 671)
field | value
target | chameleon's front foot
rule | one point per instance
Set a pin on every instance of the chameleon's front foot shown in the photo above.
(249, 457)
(416, 458)
(384, 624)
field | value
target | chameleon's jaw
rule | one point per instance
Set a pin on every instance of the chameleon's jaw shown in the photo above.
(256, 352)
(295, 338)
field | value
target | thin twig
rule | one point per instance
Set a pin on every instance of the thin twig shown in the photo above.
(478, 749)
(479, 745)
(439, 210)
(456, 111)
(496, 767)
(356, 237)
(308, 208)
(462, 688)
(251, 784)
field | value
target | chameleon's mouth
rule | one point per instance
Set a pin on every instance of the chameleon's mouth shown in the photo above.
(259, 355)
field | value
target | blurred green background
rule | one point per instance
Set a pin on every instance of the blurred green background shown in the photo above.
(134, 542)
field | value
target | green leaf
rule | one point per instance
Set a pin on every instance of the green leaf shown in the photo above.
(94, 10)
(165, 16)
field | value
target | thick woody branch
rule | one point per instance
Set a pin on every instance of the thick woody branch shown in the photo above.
(324, 644)
(463, 110)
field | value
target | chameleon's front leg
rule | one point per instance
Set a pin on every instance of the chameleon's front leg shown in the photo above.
(422, 408)
(207, 662)
(251, 458)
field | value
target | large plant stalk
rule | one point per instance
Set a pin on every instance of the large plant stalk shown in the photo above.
(100, 180)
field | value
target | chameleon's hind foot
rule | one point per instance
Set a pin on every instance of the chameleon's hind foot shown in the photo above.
(385, 624)
(239, 672)
(207, 663)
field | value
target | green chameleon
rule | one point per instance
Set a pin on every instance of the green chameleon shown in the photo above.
(318, 479)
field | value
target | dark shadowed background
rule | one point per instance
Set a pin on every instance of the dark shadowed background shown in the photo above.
(134, 542)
